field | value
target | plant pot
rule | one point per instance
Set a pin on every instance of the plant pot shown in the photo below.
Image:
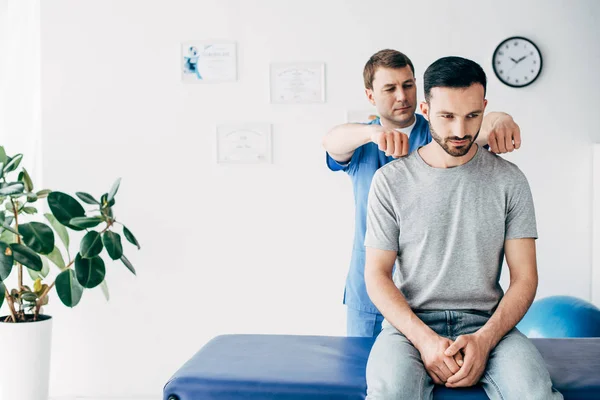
(25, 359)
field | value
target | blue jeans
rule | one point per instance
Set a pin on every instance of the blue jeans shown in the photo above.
(515, 369)
(362, 323)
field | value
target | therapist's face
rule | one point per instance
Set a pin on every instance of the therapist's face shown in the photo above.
(394, 94)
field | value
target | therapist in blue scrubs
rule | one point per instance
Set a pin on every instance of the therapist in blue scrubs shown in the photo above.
(361, 149)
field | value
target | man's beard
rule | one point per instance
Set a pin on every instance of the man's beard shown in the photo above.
(453, 151)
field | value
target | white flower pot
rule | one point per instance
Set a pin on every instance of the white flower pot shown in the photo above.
(25, 359)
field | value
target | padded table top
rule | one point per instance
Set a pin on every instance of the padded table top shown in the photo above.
(324, 367)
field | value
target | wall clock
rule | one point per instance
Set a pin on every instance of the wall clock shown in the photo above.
(517, 62)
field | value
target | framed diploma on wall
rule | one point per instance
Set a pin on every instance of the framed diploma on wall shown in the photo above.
(297, 83)
(248, 143)
(208, 62)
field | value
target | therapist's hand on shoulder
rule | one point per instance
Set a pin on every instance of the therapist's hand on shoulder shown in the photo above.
(392, 142)
(504, 134)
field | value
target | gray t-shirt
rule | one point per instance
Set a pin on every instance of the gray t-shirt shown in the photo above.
(449, 227)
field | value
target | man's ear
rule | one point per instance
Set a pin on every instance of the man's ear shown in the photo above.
(425, 109)
(484, 104)
(369, 93)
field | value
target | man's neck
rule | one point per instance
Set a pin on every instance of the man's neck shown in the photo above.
(435, 156)
(387, 123)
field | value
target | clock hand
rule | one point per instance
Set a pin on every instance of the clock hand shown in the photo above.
(515, 61)
(521, 59)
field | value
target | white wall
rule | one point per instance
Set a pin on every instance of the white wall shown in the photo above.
(20, 120)
(266, 248)
(596, 227)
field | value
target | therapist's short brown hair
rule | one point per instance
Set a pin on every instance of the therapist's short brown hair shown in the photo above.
(385, 59)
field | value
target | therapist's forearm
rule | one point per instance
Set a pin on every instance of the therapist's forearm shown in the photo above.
(342, 140)
(394, 307)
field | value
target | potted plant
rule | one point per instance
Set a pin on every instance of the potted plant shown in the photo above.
(28, 247)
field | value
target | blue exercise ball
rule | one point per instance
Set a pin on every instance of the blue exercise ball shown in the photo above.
(561, 317)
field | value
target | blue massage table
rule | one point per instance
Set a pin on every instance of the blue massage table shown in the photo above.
(290, 367)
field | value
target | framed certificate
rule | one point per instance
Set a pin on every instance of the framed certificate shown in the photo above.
(244, 143)
(297, 83)
(208, 62)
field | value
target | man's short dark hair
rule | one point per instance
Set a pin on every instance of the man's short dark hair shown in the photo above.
(453, 72)
(384, 59)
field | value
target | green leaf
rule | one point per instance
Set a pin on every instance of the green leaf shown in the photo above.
(62, 232)
(104, 203)
(6, 261)
(11, 188)
(87, 198)
(9, 228)
(90, 271)
(113, 190)
(68, 289)
(45, 267)
(43, 193)
(13, 163)
(30, 210)
(34, 274)
(57, 258)
(45, 301)
(112, 243)
(91, 245)
(37, 236)
(26, 179)
(128, 264)
(104, 287)
(86, 222)
(2, 292)
(29, 296)
(130, 238)
(26, 256)
(41, 274)
(64, 208)
(3, 157)
(8, 237)
(32, 197)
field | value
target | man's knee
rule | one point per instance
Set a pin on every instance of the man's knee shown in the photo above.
(532, 385)
(399, 387)
(517, 370)
(394, 369)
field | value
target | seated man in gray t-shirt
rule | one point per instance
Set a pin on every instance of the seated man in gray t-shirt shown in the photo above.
(448, 214)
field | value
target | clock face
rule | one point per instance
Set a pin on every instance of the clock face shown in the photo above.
(517, 62)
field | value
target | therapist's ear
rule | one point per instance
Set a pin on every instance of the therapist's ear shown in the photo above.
(425, 110)
(369, 93)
